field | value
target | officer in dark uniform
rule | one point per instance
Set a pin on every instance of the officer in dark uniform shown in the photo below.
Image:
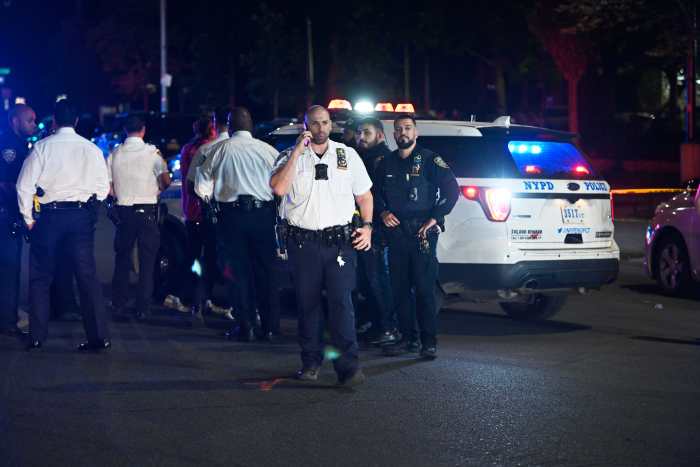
(373, 279)
(13, 150)
(320, 182)
(73, 176)
(416, 190)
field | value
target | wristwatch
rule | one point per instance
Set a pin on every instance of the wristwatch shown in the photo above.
(367, 224)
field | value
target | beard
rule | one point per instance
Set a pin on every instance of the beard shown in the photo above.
(404, 143)
(319, 139)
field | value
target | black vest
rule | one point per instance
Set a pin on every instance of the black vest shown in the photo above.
(407, 191)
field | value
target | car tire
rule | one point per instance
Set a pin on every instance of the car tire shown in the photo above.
(672, 266)
(538, 307)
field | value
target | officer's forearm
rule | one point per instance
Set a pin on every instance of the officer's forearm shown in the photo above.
(366, 204)
(281, 181)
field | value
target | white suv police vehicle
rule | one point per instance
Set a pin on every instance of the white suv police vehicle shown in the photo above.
(534, 222)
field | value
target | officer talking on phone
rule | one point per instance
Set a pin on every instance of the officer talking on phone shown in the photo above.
(320, 181)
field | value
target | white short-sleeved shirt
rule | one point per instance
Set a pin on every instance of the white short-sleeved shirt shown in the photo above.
(67, 167)
(316, 204)
(134, 168)
(203, 152)
(241, 165)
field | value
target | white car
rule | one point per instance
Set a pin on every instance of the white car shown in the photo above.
(672, 243)
(534, 222)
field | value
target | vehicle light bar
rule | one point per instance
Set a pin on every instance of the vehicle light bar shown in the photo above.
(384, 107)
(339, 104)
(405, 108)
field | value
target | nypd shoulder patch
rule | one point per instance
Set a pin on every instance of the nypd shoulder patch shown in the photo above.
(440, 162)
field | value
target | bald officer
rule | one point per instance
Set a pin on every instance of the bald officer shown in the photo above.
(237, 176)
(13, 152)
(137, 173)
(320, 181)
(72, 175)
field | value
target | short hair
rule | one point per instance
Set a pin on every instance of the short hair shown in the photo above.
(17, 110)
(315, 108)
(65, 113)
(240, 119)
(204, 124)
(372, 121)
(221, 115)
(405, 117)
(134, 124)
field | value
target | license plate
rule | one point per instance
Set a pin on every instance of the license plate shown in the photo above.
(572, 215)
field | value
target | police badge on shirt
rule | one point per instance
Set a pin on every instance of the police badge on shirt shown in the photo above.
(342, 158)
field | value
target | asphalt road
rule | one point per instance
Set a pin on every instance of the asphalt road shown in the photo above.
(614, 380)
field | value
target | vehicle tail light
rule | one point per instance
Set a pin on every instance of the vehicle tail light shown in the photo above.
(582, 170)
(612, 207)
(494, 201)
(532, 169)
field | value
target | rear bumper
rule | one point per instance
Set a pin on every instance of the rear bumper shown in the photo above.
(589, 273)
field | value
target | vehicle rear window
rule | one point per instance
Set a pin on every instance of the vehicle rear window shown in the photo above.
(473, 157)
(551, 159)
(483, 157)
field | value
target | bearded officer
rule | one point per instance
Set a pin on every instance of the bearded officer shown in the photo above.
(13, 151)
(320, 181)
(138, 174)
(415, 191)
(72, 174)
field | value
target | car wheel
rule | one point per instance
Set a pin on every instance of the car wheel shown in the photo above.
(168, 272)
(537, 307)
(672, 266)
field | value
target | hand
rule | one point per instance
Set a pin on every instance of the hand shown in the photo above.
(30, 226)
(430, 223)
(389, 219)
(362, 238)
(304, 138)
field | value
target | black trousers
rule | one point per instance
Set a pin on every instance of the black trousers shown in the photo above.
(315, 267)
(10, 265)
(75, 227)
(374, 272)
(201, 246)
(409, 268)
(138, 226)
(246, 247)
(63, 298)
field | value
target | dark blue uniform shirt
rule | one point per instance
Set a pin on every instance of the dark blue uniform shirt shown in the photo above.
(13, 152)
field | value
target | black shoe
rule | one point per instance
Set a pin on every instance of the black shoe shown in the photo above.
(13, 332)
(429, 353)
(387, 337)
(33, 345)
(401, 348)
(95, 346)
(308, 374)
(356, 378)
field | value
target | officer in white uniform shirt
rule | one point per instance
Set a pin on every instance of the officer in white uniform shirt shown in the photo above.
(320, 181)
(221, 120)
(137, 173)
(69, 174)
(237, 176)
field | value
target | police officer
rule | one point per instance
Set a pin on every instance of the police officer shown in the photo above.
(13, 151)
(371, 146)
(320, 181)
(237, 176)
(415, 191)
(137, 173)
(72, 175)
